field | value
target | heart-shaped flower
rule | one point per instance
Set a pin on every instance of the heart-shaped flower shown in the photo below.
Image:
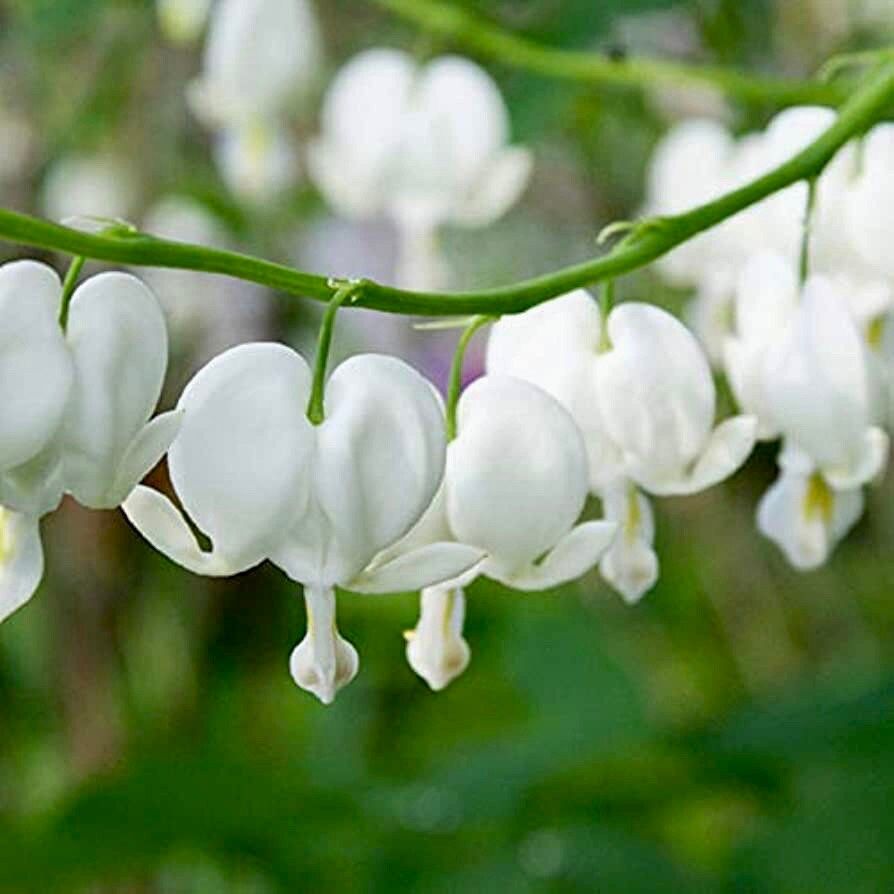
(79, 420)
(422, 145)
(320, 501)
(515, 485)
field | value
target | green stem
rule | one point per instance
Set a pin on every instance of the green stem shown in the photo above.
(809, 205)
(476, 34)
(68, 287)
(649, 240)
(455, 382)
(315, 409)
(606, 303)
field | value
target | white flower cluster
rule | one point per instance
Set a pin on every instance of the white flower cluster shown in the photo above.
(812, 361)
(372, 497)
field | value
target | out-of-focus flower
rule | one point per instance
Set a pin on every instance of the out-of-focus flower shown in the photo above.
(423, 146)
(321, 502)
(86, 428)
(182, 21)
(805, 517)
(818, 393)
(259, 55)
(698, 161)
(82, 186)
(515, 484)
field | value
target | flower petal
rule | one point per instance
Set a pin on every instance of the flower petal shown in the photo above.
(323, 662)
(866, 466)
(37, 486)
(655, 392)
(21, 560)
(805, 518)
(379, 462)
(516, 476)
(117, 336)
(631, 565)
(426, 566)
(363, 112)
(575, 554)
(240, 463)
(498, 188)
(164, 526)
(144, 453)
(35, 366)
(436, 649)
(729, 445)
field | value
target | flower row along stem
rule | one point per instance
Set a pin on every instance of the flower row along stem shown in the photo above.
(645, 242)
(506, 48)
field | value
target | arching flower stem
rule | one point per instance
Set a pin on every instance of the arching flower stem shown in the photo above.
(649, 240)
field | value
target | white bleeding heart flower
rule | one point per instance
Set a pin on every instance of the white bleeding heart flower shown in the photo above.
(423, 146)
(805, 517)
(631, 564)
(515, 484)
(256, 160)
(643, 398)
(767, 295)
(258, 56)
(321, 502)
(80, 420)
(182, 21)
(816, 381)
(657, 400)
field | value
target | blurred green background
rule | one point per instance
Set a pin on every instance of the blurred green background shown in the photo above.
(734, 732)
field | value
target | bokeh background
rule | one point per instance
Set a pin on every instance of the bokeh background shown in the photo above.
(733, 732)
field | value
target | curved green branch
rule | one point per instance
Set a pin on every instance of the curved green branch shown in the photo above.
(646, 241)
(485, 39)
